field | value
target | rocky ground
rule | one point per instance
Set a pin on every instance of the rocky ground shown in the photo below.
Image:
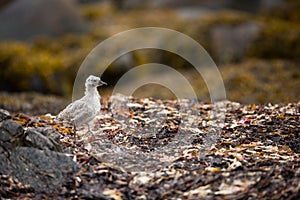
(144, 148)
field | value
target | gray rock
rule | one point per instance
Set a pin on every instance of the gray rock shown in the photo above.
(52, 134)
(230, 43)
(44, 138)
(13, 128)
(32, 158)
(24, 19)
(4, 136)
(45, 171)
(38, 140)
(46, 131)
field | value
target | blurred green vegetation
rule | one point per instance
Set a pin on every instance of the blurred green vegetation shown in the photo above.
(278, 39)
(268, 72)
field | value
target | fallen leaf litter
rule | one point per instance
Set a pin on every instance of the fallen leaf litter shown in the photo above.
(144, 148)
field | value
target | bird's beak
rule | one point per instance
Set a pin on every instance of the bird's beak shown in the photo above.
(102, 83)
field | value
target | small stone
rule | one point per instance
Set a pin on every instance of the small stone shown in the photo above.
(52, 134)
(13, 128)
(38, 140)
(46, 131)
(4, 114)
(4, 137)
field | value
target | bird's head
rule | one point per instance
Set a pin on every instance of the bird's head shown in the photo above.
(94, 81)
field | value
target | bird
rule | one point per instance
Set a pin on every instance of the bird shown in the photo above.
(84, 110)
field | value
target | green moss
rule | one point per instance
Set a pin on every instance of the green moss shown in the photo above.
(21, 63)
(97, 11)
(230, 18)
(287, 11)
(278, 39)
(9, 50)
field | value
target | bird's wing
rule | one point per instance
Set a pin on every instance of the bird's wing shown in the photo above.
(64, 114)
(84, 115)
(71, 110)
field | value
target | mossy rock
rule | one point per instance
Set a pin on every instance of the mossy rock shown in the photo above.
(278, 39)
(287, 11)
(24, 68)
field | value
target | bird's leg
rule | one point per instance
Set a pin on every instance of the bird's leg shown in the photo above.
(74, 127)
(89, 129)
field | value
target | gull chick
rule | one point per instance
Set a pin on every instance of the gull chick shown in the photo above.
(83, 110)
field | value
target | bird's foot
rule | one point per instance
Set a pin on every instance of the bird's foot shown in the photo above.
(98, 132)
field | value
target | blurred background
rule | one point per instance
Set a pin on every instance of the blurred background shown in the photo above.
(255, 44)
